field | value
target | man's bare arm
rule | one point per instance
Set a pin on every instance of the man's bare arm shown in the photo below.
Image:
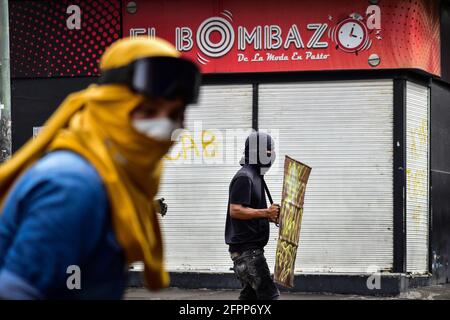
(240, 212)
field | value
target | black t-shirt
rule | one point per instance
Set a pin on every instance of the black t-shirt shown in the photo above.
(247, 189)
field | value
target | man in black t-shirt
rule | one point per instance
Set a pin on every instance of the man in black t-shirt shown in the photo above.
(247, 224)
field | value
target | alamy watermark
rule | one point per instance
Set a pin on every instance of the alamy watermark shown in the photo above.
(374, 280)
(73, 22)
(73, 281)
(201, 146)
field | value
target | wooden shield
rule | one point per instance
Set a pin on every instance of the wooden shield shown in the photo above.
(296, 176)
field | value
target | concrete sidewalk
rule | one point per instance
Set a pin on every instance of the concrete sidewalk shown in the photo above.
(426, 293)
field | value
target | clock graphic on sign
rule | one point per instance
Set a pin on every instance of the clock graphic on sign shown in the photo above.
(351, 35)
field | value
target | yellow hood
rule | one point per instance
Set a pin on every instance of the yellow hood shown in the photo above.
(95, 123)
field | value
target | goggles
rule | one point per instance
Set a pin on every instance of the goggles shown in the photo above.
(165, 77)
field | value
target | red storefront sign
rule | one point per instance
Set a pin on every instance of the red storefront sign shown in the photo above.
(286, 35)
(43, 45)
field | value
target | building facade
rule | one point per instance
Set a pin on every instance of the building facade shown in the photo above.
(358, 90)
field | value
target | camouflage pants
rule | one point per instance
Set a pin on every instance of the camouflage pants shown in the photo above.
(252, 271)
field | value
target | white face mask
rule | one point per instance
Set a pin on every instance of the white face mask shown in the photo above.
(159, 128)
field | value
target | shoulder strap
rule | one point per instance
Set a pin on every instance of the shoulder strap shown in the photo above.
(269, 196)
(267, 191)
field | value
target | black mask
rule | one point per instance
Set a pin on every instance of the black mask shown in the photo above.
(259, 151)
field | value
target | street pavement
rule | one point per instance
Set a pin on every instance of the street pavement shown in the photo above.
(441, 292)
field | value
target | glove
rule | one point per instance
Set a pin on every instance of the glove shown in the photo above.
(161, 206)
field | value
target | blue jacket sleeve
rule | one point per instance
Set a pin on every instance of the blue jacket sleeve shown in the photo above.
(62, 218)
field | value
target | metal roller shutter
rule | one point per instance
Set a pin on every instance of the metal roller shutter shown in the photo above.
(344, 130)
(417, 100)
(197, 192)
